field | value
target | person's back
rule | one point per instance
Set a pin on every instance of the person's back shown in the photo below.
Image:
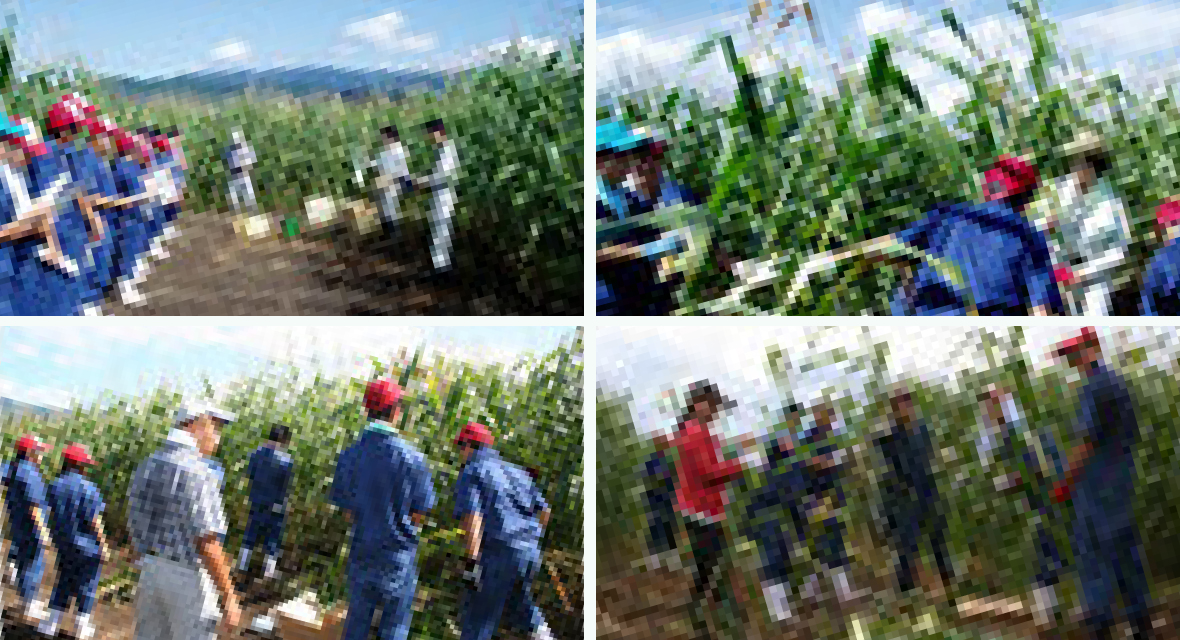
(1161, 282)
(907, 450)
(509, 501)
(1004, 262)
(26, 488)
(395, 485)
(74, 503)
(173, 499)
(270, 477)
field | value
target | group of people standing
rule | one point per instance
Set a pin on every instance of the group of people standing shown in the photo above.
(1063, 247)
(394, 182)
(81, 207)
(802, 497)
(383, 485)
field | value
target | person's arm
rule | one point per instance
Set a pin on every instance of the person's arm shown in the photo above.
(214, 560)
(473, 524)
(544, 517)
(102, 539)
(723, 472)
(42, 528)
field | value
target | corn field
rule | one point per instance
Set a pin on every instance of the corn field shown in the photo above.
(989, 534)
(790, 172)
(533, 406)
(517, 124)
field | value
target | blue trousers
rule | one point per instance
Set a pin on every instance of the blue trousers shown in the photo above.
(505, 590)
(77, 578)
(909, 527)
(391, 589)
(266, 527)
(30, 567)
(1110, 564)
(829, 543)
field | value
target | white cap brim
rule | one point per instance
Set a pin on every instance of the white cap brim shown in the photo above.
(192, 410)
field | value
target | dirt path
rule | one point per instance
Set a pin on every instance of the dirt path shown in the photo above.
(657, 604)
(213, 270)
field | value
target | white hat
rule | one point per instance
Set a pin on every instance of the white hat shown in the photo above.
(196, 409)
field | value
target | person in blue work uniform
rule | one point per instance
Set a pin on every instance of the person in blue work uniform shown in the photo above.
(911, 493)
(504, 516)
(785, 490)
(75, 521)
(1100, 479)
(270, 471)
(1003, 261)
(385, 489)
(660, 496)
(631, 182)
(27, 520)
(1161, 279)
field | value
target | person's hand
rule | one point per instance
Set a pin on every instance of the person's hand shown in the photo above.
(1061, 492)
(232, 617)
(106, 553)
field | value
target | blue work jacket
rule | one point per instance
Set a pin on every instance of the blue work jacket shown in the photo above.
(74, 503)
(504, 495)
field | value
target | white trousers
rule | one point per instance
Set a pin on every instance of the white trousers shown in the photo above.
(241, 193)
(390, 205)
(175, 602)
(442, 224)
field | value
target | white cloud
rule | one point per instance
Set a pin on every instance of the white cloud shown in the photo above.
(40, 396)
(389, 33)
(1126, 31)
(231, 51)
(25, 350)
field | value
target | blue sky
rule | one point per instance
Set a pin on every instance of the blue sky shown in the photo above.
(163, 37)
(837, 18)
(55, 365)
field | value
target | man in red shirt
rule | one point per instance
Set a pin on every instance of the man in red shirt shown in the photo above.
(701, 492)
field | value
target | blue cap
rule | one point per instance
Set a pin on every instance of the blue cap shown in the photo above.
(616, 137)
(11, 128)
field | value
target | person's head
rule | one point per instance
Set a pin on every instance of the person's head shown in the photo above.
(204, 422)
(1011, 180)
(280, 435)
(824, 415)
(991, 400)
(1082, 352)
(76, 458)
(473, 437)
(1167, 220)
(19, 141)
(67, 118)
(383, 400)
(436, 131)
(389, 134)
(901, 406)
(703, 402)
(31, 448)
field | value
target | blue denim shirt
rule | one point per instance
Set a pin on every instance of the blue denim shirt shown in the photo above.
(74, 503)
(505, 496)
(270, 474)
(27, 490)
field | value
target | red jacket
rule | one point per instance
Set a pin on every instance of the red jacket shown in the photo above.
(702, 474)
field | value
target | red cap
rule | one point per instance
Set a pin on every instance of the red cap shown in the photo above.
(475, 432)
(1168, 213)
(73, 109)
(1014, 177)
(1087, 338)
(30, 441)
(1063, 274)
(78, 454)
(381, 395)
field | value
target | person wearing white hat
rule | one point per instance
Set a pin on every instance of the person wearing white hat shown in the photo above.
(1088, 227)
(176, 519)
(240, 159)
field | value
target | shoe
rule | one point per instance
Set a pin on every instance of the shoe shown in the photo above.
(36, 610)
(542, 633)
(49, 626)
(271, 563)
(844, 591)
(777, 601)
(810, 588)
(10, 574)
(1044, 608)
(243, 560)
(83, 628)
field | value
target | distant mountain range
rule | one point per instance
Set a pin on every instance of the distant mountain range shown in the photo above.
(18, 410)
(298, 82)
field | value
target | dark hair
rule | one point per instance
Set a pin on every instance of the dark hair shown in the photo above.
(436, 125)
(70, 465)
(390, 132)
(280, 434)
(383, 415)
(702, 391)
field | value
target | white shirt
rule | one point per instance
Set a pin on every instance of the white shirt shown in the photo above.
(393, 161)
(446, 169)
(1095, 235)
